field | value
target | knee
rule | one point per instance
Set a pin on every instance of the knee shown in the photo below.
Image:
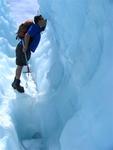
(19, 67)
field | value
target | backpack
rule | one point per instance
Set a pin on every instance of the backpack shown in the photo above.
(23, 28)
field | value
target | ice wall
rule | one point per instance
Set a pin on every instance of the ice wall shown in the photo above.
(72, 28)
(8, 135)
(7, 40)
(80, 33)
(76, 38)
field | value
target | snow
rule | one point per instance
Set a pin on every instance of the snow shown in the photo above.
(68, 103)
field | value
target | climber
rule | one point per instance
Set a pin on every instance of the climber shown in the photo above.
(29, 34)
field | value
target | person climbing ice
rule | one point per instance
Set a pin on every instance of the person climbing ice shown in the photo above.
(29, 35)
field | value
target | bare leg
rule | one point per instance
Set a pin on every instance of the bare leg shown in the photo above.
(18, 72)
(16, 83)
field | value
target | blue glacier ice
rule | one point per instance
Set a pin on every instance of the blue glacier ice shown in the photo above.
(68, 104)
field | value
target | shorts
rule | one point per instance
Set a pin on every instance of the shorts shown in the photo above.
(20, 56)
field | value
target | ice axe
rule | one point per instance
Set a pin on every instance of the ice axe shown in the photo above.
(28, 69)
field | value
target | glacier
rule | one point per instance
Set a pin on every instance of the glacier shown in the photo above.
(68, 102)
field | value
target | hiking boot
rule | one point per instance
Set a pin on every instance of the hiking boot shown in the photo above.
(16, 85)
